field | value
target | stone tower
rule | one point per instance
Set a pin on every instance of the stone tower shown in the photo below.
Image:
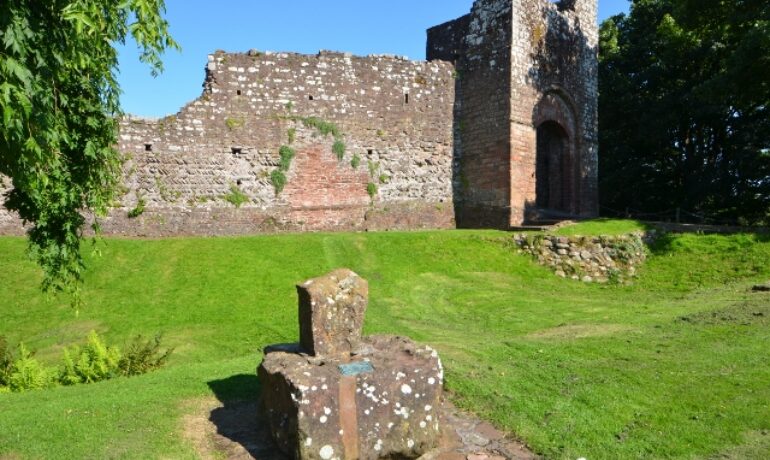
(526, 110)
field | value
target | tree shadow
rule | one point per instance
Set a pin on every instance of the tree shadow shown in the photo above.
(240, 420)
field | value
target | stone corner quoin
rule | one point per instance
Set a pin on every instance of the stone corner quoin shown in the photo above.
(499, 126)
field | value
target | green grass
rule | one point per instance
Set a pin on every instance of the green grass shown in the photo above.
(602, 227)
(674, 366)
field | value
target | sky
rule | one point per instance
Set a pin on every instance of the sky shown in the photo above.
(304, 26)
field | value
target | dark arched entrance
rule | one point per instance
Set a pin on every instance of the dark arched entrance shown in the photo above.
(553, 171)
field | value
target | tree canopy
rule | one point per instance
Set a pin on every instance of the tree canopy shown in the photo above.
(59, 103)
(685, 108)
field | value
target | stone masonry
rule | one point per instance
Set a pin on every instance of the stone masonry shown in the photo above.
(339, 395)
(497, 127)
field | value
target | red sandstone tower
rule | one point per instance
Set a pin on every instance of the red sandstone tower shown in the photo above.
(525, 112)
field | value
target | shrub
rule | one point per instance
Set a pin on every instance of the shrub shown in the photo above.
(6, 362)
(384, 178)
(355, 162)
(143, 356)
(339, 149)
(27, 373)
(92, 363)
(278, 178)
(292, 135)
(236, 197)
(287, 154)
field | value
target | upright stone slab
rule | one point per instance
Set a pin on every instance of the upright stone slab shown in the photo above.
(331, 313)
(338, 395)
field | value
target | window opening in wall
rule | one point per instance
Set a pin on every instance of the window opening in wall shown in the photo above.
(238, 92)
(370, 152)
(310, 98)
(148, 147)
(406, 98)
(237, 150)
(238, 182)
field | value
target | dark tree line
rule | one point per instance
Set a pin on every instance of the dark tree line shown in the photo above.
(685, 109)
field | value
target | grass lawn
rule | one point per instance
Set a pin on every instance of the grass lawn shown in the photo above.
(675, 366)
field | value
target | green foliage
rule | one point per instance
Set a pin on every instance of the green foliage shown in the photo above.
(607, 356)
(143, 356)
(138, 210)
(234, 123)
(6, 362)
(384, 178)
(236, 197)
(278, 179)
(371, 189)
(322, 126)
(287, 154)
(339, 149)
(27, 373)
(355, 162)
(684, 109)
(374, 168)
(59, 100)
(292, 135)
(92, 363)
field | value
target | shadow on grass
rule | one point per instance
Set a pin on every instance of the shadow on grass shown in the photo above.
(242, 428)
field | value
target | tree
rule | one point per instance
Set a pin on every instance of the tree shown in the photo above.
(59, 101)
(685, 108)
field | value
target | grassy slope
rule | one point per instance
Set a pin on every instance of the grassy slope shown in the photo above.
(576, 370)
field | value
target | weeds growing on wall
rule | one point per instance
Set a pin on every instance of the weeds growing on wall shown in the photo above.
(339, 149)
(355, 162)
(278, 179)
(93, 362)
(236, 197)
(234, 123)
(292, 135)
(371, 189)
(138, 209)
(287, 154)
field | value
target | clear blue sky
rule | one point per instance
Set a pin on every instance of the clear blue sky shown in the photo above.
(305, 26)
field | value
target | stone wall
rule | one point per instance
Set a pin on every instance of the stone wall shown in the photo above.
(458, 140)
(589, 259)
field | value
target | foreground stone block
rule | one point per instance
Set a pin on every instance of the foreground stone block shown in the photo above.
(381, 403)
(331, 313)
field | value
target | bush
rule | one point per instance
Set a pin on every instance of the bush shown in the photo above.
(92, 363)
(142, 356)
(27, 373)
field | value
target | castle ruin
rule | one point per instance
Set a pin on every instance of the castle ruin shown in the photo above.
(498, 127)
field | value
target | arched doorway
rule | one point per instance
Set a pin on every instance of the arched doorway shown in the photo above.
(553, 170)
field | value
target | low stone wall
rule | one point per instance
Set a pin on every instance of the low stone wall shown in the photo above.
(598, 259)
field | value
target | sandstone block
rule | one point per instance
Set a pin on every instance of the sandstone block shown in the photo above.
(331, 313)
(382, 404)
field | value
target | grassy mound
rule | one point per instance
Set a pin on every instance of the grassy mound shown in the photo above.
(674, 366)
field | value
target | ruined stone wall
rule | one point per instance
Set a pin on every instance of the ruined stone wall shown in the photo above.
(426, 144)
(394, 115)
